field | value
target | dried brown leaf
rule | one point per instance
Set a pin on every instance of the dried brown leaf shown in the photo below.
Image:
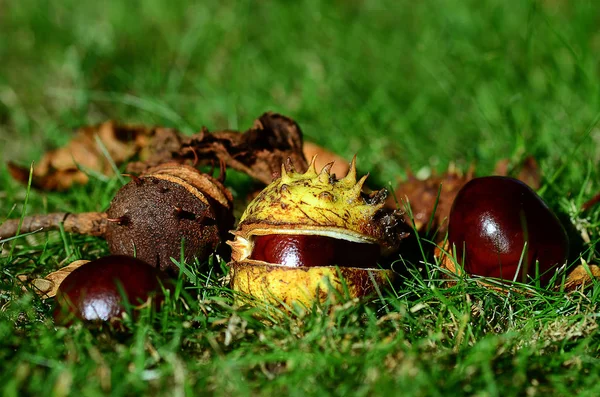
(61, 168)
(583, 275)
(259, 152)
(48, 286)
(340, 165)
(423, 194)
(527, 171)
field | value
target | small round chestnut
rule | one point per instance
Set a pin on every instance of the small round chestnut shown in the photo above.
(98, 290)
(501, 228)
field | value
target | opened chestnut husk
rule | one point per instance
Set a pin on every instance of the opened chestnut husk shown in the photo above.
(300, 227)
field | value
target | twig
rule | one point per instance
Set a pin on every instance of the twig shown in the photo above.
(88, 223)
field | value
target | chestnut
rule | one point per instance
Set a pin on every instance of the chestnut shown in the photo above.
(293, 234)
(501, 228)
(95, 291)
(310, 250)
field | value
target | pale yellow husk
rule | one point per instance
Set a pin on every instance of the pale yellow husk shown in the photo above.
(287, 286)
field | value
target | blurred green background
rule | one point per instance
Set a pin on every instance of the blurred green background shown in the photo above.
(401, 84)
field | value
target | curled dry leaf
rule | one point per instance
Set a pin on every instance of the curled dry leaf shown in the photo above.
(46, 287)
(259, 152)
(582, 276)
(445, 259)
(61, 168)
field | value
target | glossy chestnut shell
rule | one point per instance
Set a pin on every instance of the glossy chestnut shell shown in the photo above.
(308, 250)
(95, 292)
(491, 220)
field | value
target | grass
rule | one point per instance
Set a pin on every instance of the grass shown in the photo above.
(401, 85)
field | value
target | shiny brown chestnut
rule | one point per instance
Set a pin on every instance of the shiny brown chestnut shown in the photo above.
(308, 250)
(98, 290)
(492, 219)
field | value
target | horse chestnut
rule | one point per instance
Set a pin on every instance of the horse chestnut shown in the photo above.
(501, 228)
(308, 250)
(95, 292)
(302, 225)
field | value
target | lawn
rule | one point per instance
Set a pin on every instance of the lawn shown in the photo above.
(403, 85)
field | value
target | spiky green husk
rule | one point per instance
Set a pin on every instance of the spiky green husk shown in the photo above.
(317, 203)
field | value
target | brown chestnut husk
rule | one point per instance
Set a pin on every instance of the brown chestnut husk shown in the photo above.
(170, 205)
(99, 291)
(152, 216)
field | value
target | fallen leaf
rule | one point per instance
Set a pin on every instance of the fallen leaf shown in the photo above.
(340, 165)
(48, 286)
(582, 276)
(259, 152)
(423, 195)
(95, 149)
(527, 171)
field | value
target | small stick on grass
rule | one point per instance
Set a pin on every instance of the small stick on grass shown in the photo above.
(87, 223)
